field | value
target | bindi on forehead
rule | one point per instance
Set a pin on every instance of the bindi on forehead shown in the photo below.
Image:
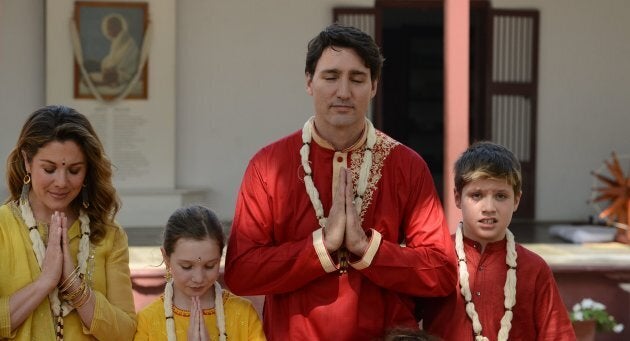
(66, 153)
(62, 162)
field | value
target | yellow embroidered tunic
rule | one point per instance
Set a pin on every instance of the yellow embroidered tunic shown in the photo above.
(108, 273)
(241, 321)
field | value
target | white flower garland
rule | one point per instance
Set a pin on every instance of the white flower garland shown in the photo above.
(364, 172)
(170, 319)
(59, 308)
(509, 289)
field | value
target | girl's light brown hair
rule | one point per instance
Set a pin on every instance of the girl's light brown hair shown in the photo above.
(194, 222)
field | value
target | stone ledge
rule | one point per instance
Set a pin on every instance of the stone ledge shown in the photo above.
(603, 257)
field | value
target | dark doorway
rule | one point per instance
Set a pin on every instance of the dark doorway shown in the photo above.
(409, 105)
(413, 82)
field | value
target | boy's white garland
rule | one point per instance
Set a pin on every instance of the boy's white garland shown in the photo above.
(509, 289)
(170, 318)
(364, 172)
(59, 308)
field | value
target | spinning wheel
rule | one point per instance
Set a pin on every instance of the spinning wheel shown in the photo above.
(611, 194)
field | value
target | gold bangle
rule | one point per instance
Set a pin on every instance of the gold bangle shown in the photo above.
(80, 295)
(70, 296)
(70, 282)
(70, 285)
(72, 274)
(83, 299)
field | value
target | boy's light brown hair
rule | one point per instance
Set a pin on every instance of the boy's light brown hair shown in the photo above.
(487, 160)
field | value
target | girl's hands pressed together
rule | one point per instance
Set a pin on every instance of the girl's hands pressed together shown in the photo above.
(197, 329)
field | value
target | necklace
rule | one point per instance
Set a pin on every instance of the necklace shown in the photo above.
(170, 319)
(60, 309)
(509, 289)
(313, 194)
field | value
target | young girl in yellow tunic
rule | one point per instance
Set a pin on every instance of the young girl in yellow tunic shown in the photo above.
(194, 306)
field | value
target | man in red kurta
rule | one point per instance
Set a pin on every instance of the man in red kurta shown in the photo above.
(338, 224)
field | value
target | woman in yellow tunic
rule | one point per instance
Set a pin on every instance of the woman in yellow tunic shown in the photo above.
(194, 306)
(64, 263)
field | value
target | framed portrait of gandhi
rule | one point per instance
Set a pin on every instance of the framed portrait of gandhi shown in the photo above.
(110, 45)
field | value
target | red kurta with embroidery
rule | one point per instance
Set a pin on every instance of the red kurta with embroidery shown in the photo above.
(275, 246)
(539, 313)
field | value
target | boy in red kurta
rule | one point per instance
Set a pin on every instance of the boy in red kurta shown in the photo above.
(338, 224)
(505, 291)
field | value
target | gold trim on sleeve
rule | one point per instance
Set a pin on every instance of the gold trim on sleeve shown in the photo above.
(370, 253)
(322, 254)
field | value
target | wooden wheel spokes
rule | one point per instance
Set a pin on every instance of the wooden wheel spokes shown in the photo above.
(602, 178)
(615, 169)
(616, 190)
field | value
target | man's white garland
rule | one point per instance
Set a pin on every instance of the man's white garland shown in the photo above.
(59, 308)
(364, 172)
(170, 318)
(78, 55)
(509, 289)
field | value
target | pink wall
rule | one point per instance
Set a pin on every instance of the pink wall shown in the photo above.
(456, 43)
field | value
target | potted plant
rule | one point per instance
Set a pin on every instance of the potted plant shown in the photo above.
(589, 316)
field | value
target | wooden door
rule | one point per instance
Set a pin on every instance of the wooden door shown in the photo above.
(512, 92)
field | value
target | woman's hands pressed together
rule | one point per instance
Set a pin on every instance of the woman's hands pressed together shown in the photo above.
(53, 264)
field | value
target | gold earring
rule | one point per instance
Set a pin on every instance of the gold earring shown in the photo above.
(26, 187)
(84, 196)
(168, 276)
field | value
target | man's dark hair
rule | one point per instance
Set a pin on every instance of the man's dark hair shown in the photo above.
(337, 35)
